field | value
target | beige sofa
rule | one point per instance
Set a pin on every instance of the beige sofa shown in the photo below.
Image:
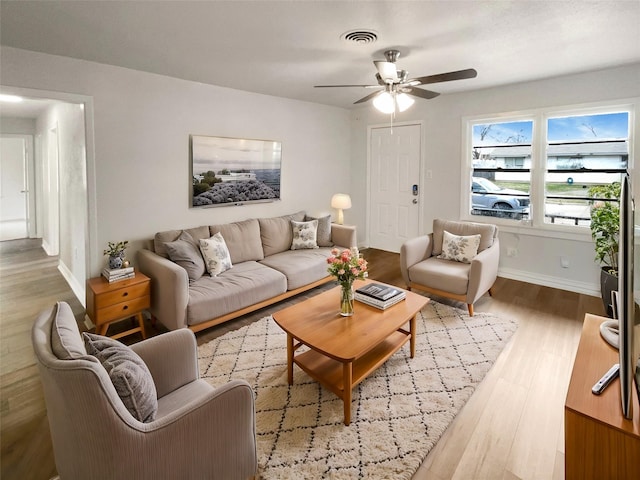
(264, 270)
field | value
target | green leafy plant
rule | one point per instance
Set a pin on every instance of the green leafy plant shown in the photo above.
(116, 248)
(605, 224)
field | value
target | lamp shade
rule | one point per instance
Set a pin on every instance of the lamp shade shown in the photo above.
(341, 200)
(404, 101)
(385, 102)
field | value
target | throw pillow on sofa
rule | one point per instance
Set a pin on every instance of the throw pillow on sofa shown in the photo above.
(216, 254)
(128, 373)
(185, 252)
(323, 236)
(304, 235)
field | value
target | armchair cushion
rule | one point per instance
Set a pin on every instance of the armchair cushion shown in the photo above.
(66, 342)
(487, 233)
(459, 248)
(128, 373)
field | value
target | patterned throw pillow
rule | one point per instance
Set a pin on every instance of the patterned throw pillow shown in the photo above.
(459, 249)
(128, 373)
(304, 235)
(216, 254)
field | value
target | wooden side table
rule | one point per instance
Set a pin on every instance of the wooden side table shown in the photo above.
(111, 302)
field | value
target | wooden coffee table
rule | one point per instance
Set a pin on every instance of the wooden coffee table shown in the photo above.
(345, 350)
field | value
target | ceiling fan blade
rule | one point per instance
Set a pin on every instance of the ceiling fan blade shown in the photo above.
(444, 77)
(387, 71)
(368, 97)
(331, 86)
(419, 92)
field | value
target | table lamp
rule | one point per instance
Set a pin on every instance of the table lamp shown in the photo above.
(341, 201)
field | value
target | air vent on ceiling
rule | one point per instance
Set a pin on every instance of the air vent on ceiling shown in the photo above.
(360, 36)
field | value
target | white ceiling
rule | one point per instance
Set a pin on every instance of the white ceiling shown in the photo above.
(284, 48)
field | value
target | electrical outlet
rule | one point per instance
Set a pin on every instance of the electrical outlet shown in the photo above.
(512, 252)
(564, 262)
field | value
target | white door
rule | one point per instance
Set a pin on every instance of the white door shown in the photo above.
(394, 186)
(13, 188)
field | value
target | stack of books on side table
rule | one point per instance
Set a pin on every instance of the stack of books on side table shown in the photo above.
(379, 296)
(118, 274)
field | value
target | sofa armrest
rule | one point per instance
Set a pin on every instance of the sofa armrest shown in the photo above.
(344, 235)
(483, 272)
(172, 359)
(414, 251)
(169, 288)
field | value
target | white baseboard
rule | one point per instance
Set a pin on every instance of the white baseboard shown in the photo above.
(77, 288)
(586, 288)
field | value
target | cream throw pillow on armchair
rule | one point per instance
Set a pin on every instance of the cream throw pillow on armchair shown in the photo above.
(459, 249)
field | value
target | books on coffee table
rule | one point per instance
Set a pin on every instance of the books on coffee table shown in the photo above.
(379, 296)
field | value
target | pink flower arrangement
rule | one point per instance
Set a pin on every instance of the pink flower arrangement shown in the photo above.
(347, 266)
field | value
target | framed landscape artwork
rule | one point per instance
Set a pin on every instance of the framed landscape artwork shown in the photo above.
(233, 171)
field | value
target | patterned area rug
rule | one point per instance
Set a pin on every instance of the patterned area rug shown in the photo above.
(398, 413)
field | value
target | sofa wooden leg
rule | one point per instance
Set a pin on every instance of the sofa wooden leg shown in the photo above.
(491, 292)
(470, 307)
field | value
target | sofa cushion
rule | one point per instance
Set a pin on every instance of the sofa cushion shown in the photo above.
(276, 234)
(245, 284)
(324, 230)
(304, 235)
(186, 252)
(216, 254)
(459, 248)
(487, 233)
(128, 373)
(172, 235)
(66, 341)
(301, 267)
(242, 239)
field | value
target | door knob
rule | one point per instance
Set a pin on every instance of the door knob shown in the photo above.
(415, 200)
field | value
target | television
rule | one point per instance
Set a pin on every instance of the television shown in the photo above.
(628, 298)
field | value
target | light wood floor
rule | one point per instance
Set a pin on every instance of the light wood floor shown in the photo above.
(512, 426)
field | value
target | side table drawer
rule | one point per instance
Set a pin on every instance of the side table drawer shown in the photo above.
(122, 309)
(125, 294)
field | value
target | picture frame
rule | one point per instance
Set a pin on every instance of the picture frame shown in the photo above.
(228, 171)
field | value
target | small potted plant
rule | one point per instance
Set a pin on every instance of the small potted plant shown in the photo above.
(605, 228)
(116, 254)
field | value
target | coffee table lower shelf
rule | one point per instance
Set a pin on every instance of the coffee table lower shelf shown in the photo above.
(342, 376)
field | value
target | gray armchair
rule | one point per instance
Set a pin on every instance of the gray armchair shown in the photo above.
(199, 431)
(466, 282)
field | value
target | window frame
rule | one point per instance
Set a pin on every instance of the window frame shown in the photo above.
(536, 222)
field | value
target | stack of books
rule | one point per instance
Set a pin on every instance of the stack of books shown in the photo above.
(379, 296)
(118, 274)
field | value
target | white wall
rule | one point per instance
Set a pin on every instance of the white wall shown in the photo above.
(142, 124)
(15, 125)
(538, 259)
(68, 119)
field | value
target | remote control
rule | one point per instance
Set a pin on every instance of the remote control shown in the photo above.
(606, 379)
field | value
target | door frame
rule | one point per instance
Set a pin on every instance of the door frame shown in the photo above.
(421, 179)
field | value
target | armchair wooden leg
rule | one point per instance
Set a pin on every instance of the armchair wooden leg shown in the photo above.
(470, 308)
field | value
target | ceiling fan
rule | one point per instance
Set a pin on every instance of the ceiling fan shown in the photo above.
(396, 87)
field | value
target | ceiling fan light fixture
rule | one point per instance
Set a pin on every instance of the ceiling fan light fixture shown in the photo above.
(385, 102)
(404, 101)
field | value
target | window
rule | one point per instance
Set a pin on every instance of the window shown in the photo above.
(541, 168)
(501, 169)
(583, 151)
